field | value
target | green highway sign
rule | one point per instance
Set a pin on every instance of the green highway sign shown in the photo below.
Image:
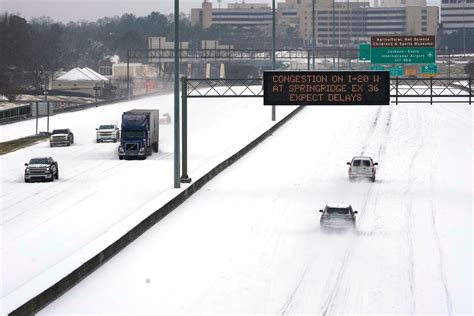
(400, 55)
(396, 71)
(364, 51)
(429, 69)
(377, 67)
(403, 49)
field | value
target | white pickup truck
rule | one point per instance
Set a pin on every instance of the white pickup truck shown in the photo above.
(108, 132)
(362, 167)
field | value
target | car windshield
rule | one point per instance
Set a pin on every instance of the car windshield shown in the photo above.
(337, 210)
(60, 131)
(37, 161)
(366, 163)
(106, 127)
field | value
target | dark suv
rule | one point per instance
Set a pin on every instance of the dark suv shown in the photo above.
(42, 168)
(337, 217)
(61, 137)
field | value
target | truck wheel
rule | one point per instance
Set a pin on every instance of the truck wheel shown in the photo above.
(52, 178)
(26, 180)
(155, 147)
(372, 179)
(120, 158)
(57, 174)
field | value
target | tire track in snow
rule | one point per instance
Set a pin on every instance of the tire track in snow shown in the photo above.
(449, 305)
(289, 301)
(330, 300)
(409, 219)
(371, 130)
(434, 211)
(56, 190)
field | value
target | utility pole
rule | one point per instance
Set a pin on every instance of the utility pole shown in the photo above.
(313, 35)
(334, 34)
(273, 51)
(176, 95)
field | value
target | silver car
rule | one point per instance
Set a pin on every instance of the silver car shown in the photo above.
(362, 167)
(337, 217)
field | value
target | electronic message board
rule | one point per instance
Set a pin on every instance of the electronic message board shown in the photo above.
(326, 88)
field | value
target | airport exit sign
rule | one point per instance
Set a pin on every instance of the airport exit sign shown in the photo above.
(403, 55)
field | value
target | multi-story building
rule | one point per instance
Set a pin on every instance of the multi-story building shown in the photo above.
(399, 3)
(457, 15)
(236, 14)
(350, 23)
(411, 20)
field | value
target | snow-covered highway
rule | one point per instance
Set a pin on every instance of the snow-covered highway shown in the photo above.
(249, 241)
(44, 226)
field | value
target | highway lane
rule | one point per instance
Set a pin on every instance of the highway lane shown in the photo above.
(249, 241)
(43, 224)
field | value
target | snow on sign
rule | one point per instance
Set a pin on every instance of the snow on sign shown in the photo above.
(326, 88)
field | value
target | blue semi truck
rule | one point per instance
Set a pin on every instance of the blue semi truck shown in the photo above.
(140, 134)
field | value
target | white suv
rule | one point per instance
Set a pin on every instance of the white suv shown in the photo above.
(362, 167)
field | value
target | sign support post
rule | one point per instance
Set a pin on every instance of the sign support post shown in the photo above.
(184, 127)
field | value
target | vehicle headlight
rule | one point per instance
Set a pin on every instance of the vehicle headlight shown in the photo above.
(142, 150)
(27, 170)
(120, 149)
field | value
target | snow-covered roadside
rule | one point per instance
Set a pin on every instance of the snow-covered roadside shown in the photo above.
(94, 194)
(249, 241)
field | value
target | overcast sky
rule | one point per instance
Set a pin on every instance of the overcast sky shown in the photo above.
(91, 10)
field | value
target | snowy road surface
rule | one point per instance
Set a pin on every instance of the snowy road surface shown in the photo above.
(44, 225)
(249, 241)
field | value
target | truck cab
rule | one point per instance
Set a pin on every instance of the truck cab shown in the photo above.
(140, 134)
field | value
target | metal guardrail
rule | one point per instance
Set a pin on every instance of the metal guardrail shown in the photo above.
(402, 90)
(24, 112)
(431, 90)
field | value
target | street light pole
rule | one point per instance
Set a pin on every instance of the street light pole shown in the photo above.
(313, 37)
(176, 95)
(334, 34)
(273, 51)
